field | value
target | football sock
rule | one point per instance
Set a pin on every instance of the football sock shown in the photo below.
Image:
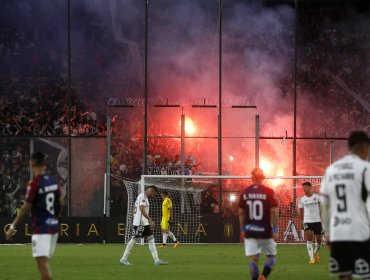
(170, 234)
(254, 270)
(164, 238)
(128, 249)
(317, 246)
(268, 266)
(310, 249)
(153, 249)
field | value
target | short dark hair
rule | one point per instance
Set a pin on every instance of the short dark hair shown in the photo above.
(153, 187)
(307, 184)
(358, 138)
(38, 159)
(165, 192)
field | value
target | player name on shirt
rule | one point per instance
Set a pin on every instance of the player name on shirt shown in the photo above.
(255, 196)
(344, 176)
(47, 189)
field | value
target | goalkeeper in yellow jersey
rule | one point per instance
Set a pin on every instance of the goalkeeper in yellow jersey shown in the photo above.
(165, 223)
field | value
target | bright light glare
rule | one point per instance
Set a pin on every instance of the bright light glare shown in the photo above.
(232, 197)
(278, 182)
(189, 126)
(266, 166)
(231, 157)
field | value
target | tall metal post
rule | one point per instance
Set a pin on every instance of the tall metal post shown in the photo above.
(220, 108)
(257, 144)
(183, 203)
(69, 82)
(295, 104)
(182, 143)
(331, 152)
(145, 152)
(107, 167)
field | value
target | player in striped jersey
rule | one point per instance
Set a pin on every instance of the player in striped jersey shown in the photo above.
(45, 200)
(258, 221)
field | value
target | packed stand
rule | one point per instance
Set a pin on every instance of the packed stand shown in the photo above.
(334, 71)
(38, 107)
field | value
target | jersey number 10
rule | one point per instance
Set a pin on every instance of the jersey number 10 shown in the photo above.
(255, 209)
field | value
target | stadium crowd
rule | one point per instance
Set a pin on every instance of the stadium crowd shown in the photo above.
(34, 96)
(14, 172)
(332, 52)
(38, 107)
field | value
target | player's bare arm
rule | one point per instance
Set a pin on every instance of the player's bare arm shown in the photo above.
(241, 217)
(25, 210)
(274, 222)
(145, 214)
(301, 215)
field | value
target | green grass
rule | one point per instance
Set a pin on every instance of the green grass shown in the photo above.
(187, 262)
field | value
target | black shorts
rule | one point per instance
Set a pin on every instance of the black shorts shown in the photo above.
(315, 227)
(141, 231)
(350, 258)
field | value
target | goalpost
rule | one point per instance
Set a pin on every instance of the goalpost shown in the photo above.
(195, 211)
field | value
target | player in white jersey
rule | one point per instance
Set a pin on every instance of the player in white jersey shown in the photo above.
(142, 227)
(345, 196)
(309, 212)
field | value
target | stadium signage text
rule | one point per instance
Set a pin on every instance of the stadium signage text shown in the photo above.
(112, 230)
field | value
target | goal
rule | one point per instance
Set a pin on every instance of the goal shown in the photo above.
(205, 208)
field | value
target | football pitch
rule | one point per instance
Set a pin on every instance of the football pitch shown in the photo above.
(186, 262)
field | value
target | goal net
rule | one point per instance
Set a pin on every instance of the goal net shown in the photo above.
(205, 208)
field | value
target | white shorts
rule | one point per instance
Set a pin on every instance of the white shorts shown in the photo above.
(256, 246)
(43, 245)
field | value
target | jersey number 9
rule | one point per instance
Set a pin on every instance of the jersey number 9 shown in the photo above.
(340, 191)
